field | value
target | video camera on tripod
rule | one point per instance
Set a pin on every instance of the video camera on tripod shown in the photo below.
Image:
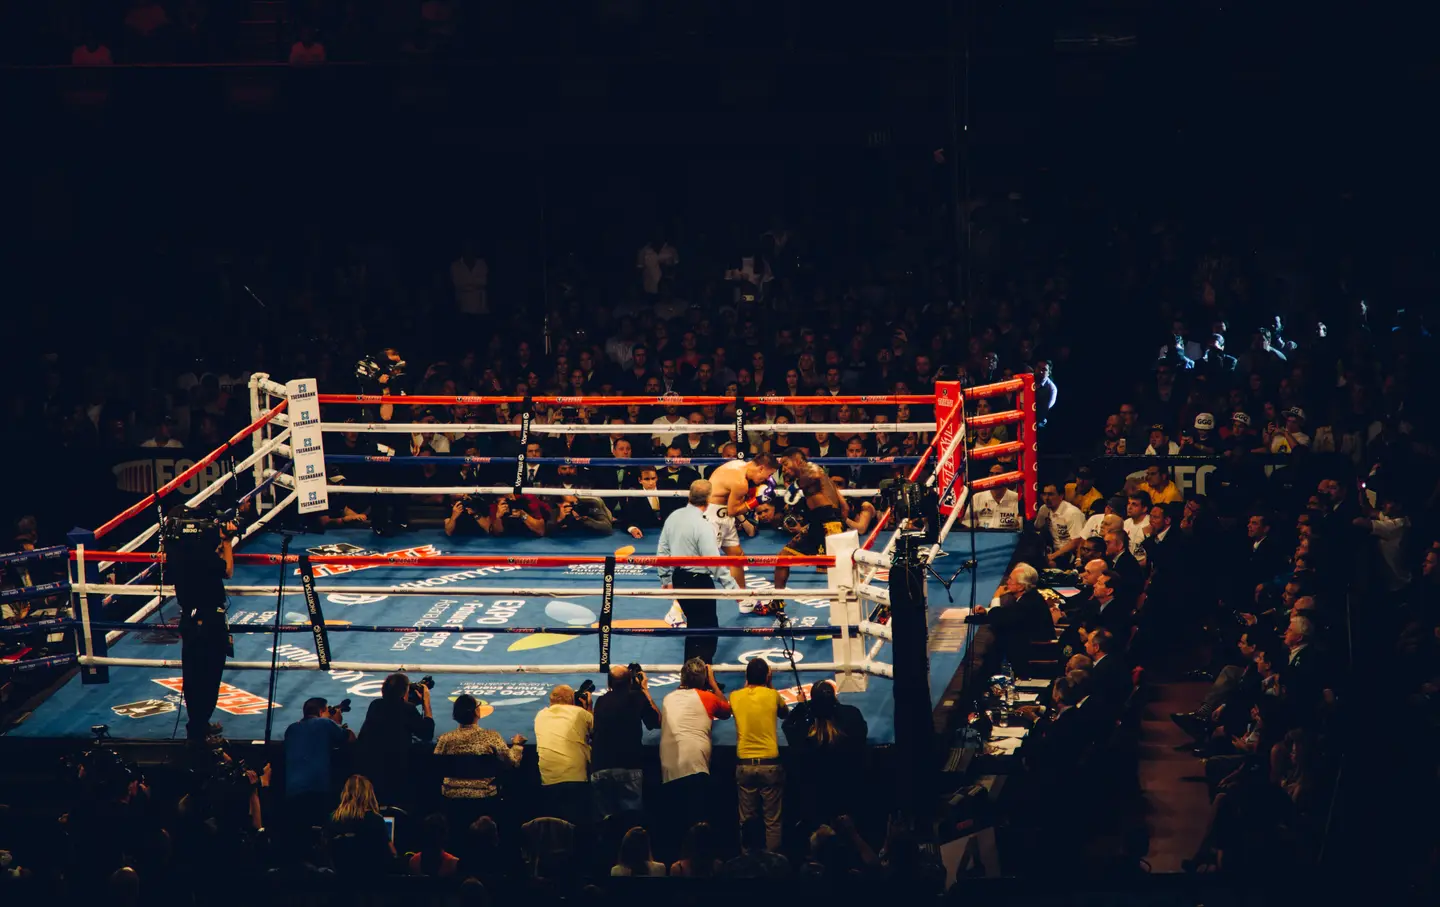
(905, 501)
(388, 365)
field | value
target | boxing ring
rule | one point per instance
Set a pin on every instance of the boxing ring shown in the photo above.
(500, 618)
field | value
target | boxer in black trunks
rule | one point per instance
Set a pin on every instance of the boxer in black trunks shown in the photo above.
(825, 516)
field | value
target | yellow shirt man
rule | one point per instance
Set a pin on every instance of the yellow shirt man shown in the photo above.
(562, 738)
(756, 709)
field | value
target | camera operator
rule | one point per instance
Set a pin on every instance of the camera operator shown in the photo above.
(617, 756)
(309, 746)
(518, 514)
(199, 576)
(578, 516)
(469, 515)
(562, 743)
(401, 713)
(110, 817)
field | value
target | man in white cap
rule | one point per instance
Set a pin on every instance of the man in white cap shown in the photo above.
(1238, 434)
(1292, 436)
(1201, 442)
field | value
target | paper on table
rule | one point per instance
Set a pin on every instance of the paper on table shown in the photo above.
(1032, 684)
(1007, 732)
(1004, 745)
(1027, 698)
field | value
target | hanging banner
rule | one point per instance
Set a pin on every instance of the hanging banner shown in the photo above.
(307, 445)
(948, 396)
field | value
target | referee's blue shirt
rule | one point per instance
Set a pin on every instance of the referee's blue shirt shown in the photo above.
(686, 533)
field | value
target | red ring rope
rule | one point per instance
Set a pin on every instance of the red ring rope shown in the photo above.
(180, 479)
(493, 560)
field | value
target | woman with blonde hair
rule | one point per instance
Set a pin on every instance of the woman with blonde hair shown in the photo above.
(357, 832)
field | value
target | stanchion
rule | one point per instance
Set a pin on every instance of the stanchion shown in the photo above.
(914, 721)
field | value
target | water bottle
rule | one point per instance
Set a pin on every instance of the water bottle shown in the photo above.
(1009, 686)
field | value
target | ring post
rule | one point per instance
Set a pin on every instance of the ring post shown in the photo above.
(607, 613)
(1030, 486)
(844, 580)
(88, 644)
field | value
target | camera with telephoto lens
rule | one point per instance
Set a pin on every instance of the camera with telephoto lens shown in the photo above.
(587, 688)
(101, 768)
(634, 673)
(414, 697)
(370, 369)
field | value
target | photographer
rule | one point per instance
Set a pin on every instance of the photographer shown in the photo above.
(617, 756)
(310, 744)
(518, 514)
(469, 515)
(562, 743)
(579, 515)
(401, 713)
(199, 573)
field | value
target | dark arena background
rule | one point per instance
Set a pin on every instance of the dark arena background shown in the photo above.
(1108, 321)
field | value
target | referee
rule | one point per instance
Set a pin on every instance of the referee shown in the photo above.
(686, 533)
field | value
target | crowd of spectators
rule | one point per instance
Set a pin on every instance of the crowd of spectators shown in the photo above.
(484, 817)
(1300, 400)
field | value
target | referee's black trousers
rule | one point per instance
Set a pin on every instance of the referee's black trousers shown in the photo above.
(699, 614)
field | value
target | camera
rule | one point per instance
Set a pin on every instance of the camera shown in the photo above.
(793, 523)
(905, 500)
(414, 697)
(634, 672)
(101, 768)
(342, 706)
(201, 527)
(587, 689)
(370, 369)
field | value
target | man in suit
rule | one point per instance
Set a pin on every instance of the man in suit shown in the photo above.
(1105, 610)
(1113, 681)
(673, 477)
(1166, 609)
(640, 515)
(1130, 575)
(1303, 674)
(1263, 562)
(618, 476)
(1017, 618)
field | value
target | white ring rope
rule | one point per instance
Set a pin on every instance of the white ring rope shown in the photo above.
(643, 428)
(543, 591)
(877, 669)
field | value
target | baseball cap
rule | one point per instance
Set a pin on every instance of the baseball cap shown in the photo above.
(1085, 472)
(1240, 417)
(1157, 426)
(1296, 411)
(1204, 422)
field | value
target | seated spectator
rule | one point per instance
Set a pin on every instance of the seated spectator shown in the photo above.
(433, 859)
(997, 508)
(1160, 444)
(359, 839)
(1066, 525)
(92, 52)
(755, 860)
(1159, 486)
(634, 858)
(697, 854)
(1017, 617)
(468, 798)
(1082, 492)
(308, 51)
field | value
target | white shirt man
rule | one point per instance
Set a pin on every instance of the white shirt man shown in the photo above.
(998, 509)
(470, 276)
(1063, 519)
(1135, 531)
(562, 738)
(671, 419)
(652, 262)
